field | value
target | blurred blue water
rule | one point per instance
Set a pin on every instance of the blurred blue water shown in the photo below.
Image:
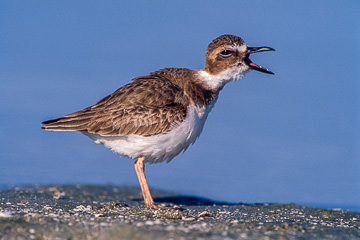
(292, 137)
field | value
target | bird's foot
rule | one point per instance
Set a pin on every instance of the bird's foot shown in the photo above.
(159, 207)
(168, 212)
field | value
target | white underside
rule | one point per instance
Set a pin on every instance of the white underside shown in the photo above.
(160, 147)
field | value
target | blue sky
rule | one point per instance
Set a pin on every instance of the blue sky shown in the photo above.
(291, 137)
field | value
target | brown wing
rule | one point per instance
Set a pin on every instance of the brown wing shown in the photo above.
(148, 106)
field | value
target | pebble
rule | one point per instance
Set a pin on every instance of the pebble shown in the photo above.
(204, 214)
(6, 215)
(188, 219)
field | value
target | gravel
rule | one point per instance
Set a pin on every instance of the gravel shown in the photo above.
(112, 212)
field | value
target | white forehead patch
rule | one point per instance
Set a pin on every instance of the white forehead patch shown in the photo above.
(240, 48)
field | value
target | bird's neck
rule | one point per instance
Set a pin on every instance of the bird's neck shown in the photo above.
(218, 81)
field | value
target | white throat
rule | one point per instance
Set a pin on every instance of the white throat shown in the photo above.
(218, 81)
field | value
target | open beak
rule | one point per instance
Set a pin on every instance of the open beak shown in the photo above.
(253, 65)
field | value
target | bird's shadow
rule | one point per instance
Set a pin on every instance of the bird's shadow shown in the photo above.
(189, 200)
(196, 201)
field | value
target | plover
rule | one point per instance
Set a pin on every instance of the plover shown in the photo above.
(157, 116)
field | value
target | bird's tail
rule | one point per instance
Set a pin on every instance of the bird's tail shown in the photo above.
(78, 121)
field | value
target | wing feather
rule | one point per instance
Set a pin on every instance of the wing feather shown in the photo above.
(148, 106)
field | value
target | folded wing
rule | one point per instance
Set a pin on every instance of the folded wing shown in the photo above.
(148, 106)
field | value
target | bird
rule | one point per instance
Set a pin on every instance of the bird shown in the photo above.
(157, 116)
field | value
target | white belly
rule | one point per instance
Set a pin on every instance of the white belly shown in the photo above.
(160, 147)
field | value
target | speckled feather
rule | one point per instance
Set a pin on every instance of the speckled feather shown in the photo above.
(149, 105)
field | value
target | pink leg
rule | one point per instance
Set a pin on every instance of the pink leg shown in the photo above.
(140, 172)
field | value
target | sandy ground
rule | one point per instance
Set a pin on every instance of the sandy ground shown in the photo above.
(111, 212)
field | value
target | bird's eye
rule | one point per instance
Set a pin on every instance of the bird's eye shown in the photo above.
(226, 53)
